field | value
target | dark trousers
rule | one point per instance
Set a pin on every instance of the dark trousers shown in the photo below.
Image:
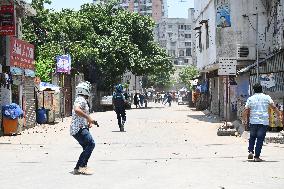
(121, 114)
(257, 133)
(87, 142)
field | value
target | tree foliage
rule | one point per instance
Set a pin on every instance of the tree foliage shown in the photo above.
(104, 42)
(160, 81)
(187, 74)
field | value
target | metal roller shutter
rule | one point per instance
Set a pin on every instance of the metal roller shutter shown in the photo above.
(29, 96)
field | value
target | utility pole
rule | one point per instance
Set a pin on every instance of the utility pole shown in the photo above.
(257, 50)
(135, 84)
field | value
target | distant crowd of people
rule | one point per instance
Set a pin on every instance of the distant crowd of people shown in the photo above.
(140, 100)
(164, 98)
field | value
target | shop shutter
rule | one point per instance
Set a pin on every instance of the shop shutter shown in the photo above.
(28, 91)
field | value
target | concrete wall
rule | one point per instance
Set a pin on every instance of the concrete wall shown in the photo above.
(205, 10)
(275, 25)
(244, 26)
(221, 96)
(243, 30)
(214, 91)
(134, 82)
(223, 42)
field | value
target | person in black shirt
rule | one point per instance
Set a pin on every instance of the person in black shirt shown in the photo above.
(119, 101)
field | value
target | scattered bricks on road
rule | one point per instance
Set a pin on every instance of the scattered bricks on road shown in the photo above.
(226, 132)
(145, 152)
(276, 139)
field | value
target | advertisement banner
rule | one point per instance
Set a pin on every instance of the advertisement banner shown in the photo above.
(63, 64)
(267, 80)
(21, 54)
(7, 20)
(223, 18)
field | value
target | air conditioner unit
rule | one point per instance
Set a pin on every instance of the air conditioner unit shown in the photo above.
(246, 52)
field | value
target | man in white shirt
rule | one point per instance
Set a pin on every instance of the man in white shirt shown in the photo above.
(257, 107)
(79, 128)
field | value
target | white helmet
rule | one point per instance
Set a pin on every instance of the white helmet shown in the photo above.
(83, 88)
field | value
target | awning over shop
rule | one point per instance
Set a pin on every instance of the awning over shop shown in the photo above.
(45, 86)
(248, 68)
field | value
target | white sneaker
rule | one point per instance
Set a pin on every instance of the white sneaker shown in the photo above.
(85, 171)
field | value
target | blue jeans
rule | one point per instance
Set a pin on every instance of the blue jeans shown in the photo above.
(257, 132)
(87, 142)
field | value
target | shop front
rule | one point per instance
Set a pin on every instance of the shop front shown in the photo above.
(16, 60)
(17, 83)
(271, 77)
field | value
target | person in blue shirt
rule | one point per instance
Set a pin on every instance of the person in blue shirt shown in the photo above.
(119, 101)
(256, 109)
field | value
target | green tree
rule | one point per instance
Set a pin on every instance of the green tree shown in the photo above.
(187, 74)
(103, 41)
(159, 80)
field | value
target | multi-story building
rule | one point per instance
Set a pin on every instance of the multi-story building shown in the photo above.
(248, 32)
(134, 82)
(176, 36)
(156, 9)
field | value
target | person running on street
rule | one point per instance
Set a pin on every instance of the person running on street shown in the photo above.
(146, 99)
(79, 128)
(168, 99)
(141, 99)
(119, 101)
(136, 100)
(256, 108)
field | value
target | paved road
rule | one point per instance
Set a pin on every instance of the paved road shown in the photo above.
(163, 148)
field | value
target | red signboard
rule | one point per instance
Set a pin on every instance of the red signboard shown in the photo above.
(7, 20)
(21, 54)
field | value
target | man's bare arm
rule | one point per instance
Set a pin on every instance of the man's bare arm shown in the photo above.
(245, 115)
(81, 113)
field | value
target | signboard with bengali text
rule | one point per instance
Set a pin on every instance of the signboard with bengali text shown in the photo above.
(7, 20)
(21, 54)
